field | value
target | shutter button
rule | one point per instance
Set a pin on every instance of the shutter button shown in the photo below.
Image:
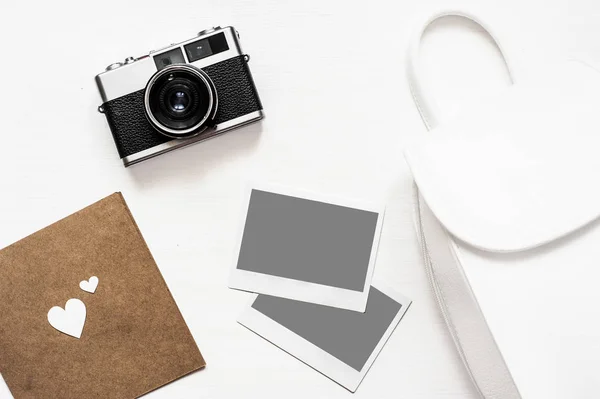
(209, 30)
(114, 66)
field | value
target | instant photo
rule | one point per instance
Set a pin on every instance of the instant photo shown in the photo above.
(339, 343)
(309, 248)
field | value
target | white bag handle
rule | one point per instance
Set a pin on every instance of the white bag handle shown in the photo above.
(460, 309)
(427, 106)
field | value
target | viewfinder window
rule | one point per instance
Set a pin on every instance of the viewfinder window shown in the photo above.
(206, 47)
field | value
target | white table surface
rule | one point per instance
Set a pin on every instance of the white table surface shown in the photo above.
(331, 77)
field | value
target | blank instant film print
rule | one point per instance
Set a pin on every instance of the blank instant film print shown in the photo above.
(307, 248)
(339, 343)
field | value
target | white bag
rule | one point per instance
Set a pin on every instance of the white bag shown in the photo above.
(508, 208)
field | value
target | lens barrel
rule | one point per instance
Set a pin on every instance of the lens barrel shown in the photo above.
(180, 101)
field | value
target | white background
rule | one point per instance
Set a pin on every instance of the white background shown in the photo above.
(339, 112)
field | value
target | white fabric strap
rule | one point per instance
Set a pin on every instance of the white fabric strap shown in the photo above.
(428, 108)
(460, 309)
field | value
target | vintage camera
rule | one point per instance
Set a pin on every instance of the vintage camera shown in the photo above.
(179, 95)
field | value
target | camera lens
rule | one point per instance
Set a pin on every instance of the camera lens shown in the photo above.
(178, 99)
(181, 101)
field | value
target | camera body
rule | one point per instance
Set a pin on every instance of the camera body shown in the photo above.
(178, 95)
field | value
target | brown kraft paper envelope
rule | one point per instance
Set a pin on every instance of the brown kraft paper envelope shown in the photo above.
(134, 339)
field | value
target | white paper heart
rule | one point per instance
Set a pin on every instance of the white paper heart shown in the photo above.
(89, 286)
(69, 320)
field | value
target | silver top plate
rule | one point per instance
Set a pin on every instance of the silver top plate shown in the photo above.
(133, 76)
